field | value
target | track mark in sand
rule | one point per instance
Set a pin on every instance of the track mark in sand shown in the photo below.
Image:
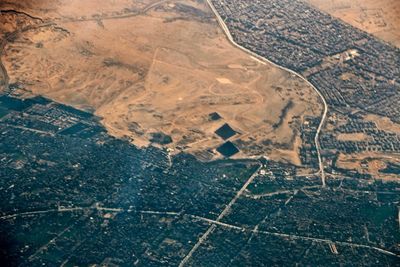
(263, 60)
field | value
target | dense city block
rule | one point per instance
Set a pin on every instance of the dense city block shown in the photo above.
(63, 174)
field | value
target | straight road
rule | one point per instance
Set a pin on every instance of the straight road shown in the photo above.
(219, 218)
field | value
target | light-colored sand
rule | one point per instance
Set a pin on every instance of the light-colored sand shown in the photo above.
(164, 71)
(369, 163)
(224, 80)
(352, 137)
(378, 17)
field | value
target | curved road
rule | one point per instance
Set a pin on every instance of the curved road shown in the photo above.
(4, 82)
(263, 60)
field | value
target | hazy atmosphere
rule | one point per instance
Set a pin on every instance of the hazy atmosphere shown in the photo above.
(199, 133)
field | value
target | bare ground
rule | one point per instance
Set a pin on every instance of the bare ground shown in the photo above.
(160, 66)
(378, 17)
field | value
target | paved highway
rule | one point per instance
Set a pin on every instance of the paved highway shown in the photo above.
(263, 60)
